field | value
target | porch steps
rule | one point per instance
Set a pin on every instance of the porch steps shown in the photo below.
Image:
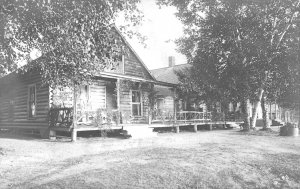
(139, 132)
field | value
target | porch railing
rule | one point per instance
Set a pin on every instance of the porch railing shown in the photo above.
(165, 117)
(193, 116)
(61, 117)
(99, 118)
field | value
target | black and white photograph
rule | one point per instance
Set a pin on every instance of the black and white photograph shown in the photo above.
(130, 94)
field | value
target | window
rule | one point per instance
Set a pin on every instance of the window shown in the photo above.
(160, 105)
(136, 103)
(31, 101)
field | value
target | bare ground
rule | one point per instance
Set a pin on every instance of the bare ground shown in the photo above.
(207, 159)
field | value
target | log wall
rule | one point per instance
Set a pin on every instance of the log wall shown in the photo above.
(134, 67)
(14, 101)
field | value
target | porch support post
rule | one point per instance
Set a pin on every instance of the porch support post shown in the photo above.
(210, 127)
(118, 101)
(195, 128)
(74, 130)
(271, 110)
(52, 135)
(177, 129)
(174, 108)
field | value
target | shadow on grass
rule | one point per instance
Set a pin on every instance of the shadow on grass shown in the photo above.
(283, 168)
(259, 132)
(61, 136)
(19, 135)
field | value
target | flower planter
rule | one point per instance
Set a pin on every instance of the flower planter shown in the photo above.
(283, 131)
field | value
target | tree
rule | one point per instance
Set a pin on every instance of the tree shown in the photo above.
(237, 44)
(76, 38)
(289, 93)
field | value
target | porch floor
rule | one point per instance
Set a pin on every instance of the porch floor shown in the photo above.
(154, 125)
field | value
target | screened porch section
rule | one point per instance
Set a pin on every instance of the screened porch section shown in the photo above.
(102, 102)
(96, 103)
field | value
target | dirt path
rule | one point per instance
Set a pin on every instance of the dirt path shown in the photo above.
(169, 160)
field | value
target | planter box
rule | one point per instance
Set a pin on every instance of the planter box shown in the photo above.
(289, 131)
(283, 131)
(293, 131)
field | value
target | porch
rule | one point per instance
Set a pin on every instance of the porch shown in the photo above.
(114, 103)
(62, 120)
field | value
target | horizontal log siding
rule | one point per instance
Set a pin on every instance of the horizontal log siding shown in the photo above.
(134, 67)
(145, 102)
(16, 91)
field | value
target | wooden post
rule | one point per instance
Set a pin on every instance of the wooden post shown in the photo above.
(52, 134)
(195, 128)
(118, 100)
(74, 131)
(177, 129)
(174, 108)
(149, 118)
(74, 135)
(271, 110)
(275, 110)
(299, 115)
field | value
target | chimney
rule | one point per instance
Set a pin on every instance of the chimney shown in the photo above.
(171, 61)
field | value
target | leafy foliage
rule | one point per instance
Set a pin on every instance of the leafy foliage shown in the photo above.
(76, 38)
(239, 48)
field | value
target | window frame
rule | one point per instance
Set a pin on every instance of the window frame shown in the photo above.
(90, 97)
(136, 103)
(28, 102)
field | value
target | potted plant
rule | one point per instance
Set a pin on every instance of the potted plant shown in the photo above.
(290, 129)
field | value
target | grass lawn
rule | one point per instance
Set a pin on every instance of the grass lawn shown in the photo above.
(206, 159)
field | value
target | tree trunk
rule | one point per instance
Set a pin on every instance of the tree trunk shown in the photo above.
(254, 114)
(265, 114)
(299, 116)
(246, 111)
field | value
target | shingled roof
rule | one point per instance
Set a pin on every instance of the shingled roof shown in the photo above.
(168, 74)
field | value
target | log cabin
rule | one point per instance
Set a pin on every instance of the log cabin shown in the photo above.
(117, 96)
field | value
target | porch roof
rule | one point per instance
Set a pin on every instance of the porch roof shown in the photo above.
(119, 76)
(168, 74)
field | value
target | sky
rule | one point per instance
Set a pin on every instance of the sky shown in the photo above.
(161, 28)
